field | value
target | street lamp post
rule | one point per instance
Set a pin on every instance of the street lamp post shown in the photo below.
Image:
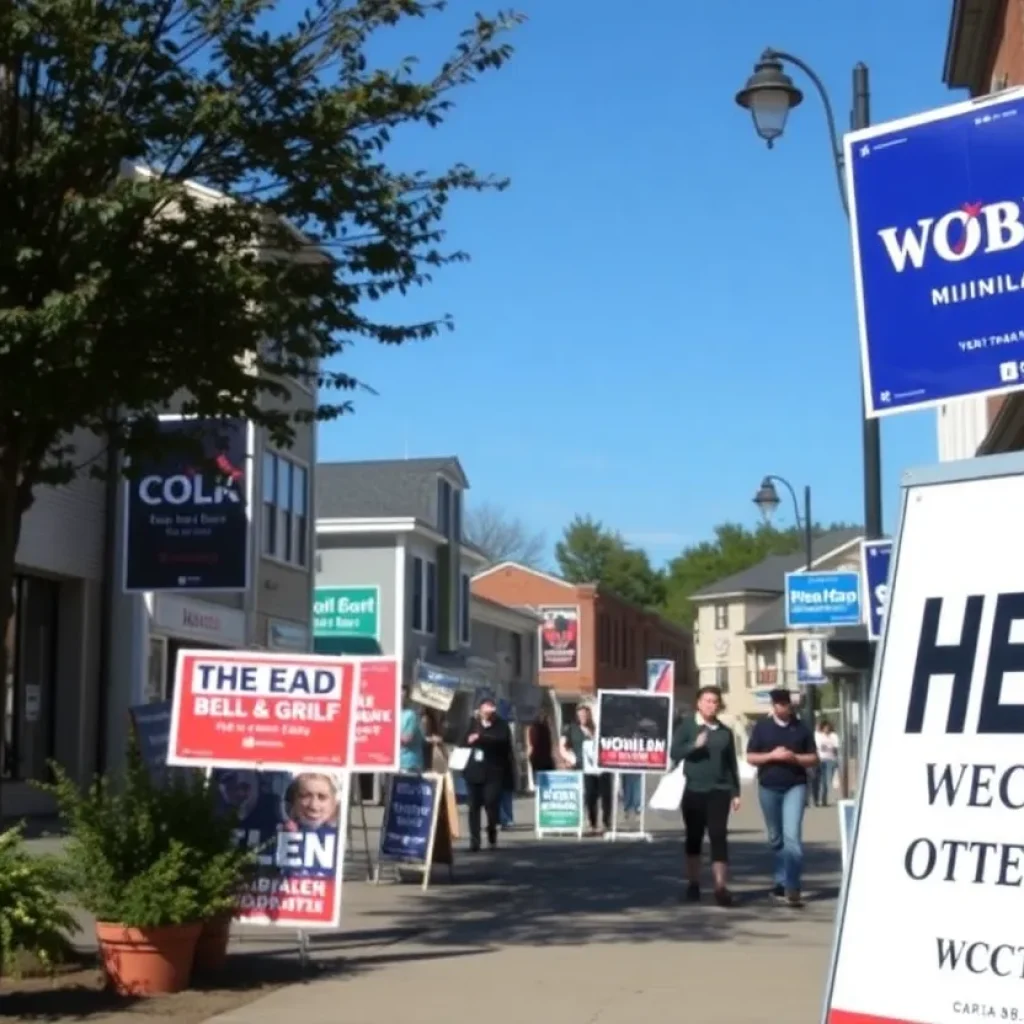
(767, 500)
(769, 95)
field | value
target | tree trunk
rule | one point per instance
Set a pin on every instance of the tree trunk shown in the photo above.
(12, 507)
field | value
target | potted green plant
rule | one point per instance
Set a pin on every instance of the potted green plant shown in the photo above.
(35, 922)
(151, 862)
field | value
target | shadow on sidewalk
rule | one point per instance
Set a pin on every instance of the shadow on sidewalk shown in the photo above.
(563, 892)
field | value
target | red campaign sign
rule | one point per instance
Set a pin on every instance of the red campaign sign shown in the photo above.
(378, 703)
(846, 1017)
(283, 712)
(291, 902)
(619, 754)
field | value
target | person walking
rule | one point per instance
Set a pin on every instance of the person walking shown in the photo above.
(539, 745)
(578, 747)
(706, 747)
(827, 743)
(782, 750)
(488, 770)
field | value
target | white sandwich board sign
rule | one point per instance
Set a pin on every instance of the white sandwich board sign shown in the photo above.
(929, 929)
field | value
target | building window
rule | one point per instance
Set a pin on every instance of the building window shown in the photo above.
(516, 641)
(457, 516)
(444, 506)
(430, 595)
(417, 594)
(464, 610)
(603, 645)
(722, 678)
(615, 642)
(721, 616)
(285, 509)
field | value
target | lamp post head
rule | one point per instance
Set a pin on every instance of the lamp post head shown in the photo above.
(769, 95)
(767, 499)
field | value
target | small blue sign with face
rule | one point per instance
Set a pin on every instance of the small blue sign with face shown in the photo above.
(875, 558)
(822, 599)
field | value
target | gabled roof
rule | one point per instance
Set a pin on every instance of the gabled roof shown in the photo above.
(383, 488)
(768, 576)
(501, 566)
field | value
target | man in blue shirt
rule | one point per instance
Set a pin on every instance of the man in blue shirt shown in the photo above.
(782, 750)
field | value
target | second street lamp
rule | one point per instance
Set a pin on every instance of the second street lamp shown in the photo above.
(767, 500)
(769, 94)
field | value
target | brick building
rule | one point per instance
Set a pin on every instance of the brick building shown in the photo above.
(614, 638)
(984, 54)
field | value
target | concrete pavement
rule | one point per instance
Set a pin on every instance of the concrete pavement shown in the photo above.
(584, 932)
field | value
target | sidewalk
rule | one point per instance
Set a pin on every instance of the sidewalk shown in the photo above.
(585, 932)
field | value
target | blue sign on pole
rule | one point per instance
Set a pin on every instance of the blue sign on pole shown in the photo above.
(938, 246)
(875, 558)
(822, 599)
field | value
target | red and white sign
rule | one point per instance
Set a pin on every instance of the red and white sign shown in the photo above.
(378, 703)
(276, 712)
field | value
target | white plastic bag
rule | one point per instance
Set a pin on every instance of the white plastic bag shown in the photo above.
(459, 759)
(669, 792)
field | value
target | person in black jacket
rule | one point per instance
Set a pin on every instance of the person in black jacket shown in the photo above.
(488, 771)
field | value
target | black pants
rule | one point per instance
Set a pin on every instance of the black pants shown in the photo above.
(487, 796)
(598, 787)
(707, 812)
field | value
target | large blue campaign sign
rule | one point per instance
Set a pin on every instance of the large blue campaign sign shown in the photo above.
(875, 558)
(938, 240)
(822, 599)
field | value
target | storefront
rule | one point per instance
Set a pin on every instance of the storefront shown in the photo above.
(30, 719)
(180, 623)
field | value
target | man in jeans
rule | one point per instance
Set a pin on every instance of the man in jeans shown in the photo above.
(782, 750)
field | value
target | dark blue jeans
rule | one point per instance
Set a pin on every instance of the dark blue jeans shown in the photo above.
(783, 811)
(823, 781)
(632, 792)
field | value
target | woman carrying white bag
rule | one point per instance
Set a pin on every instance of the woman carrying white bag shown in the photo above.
(705, 782)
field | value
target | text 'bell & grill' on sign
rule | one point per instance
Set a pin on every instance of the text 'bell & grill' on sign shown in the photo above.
(928, 931)
(286, 712)
(938, 250)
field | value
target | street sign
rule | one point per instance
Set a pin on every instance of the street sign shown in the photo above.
(938, 248)
(346, 611)
(875, 556)
(810, 661)
(822, 599)
(937, 830)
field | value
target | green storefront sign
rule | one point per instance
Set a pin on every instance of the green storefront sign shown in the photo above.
(346, 611)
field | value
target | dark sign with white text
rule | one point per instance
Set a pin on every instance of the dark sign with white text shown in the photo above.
(633, 730)
(187, 515)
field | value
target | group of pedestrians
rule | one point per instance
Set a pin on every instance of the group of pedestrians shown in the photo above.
(785, 754)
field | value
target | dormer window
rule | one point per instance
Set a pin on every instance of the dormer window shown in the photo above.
(444, 506)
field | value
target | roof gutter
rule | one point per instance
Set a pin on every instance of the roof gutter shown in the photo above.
(974, 27)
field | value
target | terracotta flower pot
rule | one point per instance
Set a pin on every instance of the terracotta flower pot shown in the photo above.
(212, 947)
(147, 961)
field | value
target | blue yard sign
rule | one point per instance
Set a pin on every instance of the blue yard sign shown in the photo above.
(822, 599)
(938, 246)
(875, 557)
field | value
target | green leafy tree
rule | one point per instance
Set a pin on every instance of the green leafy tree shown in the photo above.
(590, 553)
(733, 549)
(198, 202)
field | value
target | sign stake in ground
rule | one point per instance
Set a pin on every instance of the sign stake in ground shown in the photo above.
(937, 830)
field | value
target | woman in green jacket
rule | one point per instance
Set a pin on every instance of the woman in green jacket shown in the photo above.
(707, 749)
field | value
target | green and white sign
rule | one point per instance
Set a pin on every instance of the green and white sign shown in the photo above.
(346, 611)
(559, 803)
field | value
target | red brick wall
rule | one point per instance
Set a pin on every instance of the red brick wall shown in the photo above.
(1008, 55)
(616, 639)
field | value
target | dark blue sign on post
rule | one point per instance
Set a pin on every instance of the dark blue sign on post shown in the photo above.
(875, 558)
(187, 519)
(938, 240)
(152, 724)
(410, 818)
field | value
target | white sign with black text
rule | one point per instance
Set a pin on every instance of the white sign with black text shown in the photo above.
(928, 929)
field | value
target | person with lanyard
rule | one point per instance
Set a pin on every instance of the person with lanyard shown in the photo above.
(827, 742)
(782, 750)
(707, 750)
(488, 771)
(578, 747)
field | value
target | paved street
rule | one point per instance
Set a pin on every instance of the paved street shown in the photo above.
(585, 933)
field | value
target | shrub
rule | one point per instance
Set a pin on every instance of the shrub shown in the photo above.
(34, 919)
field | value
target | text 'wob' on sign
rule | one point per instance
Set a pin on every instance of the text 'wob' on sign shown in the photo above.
(276, 712)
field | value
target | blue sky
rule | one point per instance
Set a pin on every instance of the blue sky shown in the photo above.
(659, 310)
